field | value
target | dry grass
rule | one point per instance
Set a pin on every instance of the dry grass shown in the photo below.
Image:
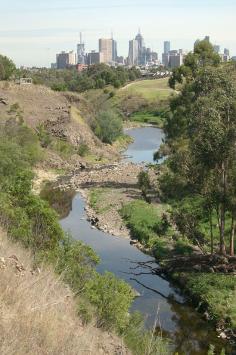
(38, 312)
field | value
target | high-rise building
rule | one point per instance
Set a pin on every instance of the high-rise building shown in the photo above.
(166, 47)
(114, 50)
(142, 55)
(81, 51)
(106, 47)
(226, 51)
(216, 49)
(94, 58)
(133, 52)
(207, 38)
(66, 59)
(173, 59)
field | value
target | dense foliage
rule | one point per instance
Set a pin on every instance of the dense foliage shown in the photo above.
(108, 126)
(30, 221)
(94, 77)
(7, 68)
(200, 134)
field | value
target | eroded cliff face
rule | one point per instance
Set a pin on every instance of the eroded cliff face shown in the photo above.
(64, 116)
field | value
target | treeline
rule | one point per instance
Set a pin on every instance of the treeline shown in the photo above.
(94, 77)
(199, 177)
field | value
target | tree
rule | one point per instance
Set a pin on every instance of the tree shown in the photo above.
(201, 138)
(202, 56)
(109, 126)
(7, 68)
(144, 184)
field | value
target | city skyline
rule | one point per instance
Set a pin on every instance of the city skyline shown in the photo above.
(45, 29)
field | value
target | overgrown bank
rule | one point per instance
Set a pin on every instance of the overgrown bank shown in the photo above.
(31, 222)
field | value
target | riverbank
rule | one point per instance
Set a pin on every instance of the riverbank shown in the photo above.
(36, 301)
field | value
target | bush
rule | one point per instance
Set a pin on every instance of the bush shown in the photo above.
(109, 126)
(7, 68)
(76, 262)
(83, 150)
(112, 298)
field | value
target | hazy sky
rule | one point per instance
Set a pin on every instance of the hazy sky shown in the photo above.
(33, 31)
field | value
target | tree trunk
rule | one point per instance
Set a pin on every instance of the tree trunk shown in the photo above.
(222, 212)
(232, 237)
(212, 237)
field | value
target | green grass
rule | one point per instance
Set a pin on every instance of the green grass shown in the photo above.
(144, 221)
(148, 117)
(150, 89)
(96, 199)
(122, 142)
(217, 291)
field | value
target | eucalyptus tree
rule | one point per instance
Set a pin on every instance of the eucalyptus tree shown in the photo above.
(201, 134)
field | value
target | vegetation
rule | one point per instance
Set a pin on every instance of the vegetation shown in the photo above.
(201, 139)
(7, 68)
(94, 77)
(214, 292)
(108, 126)
(145, 101)
(40, 312)
(29, 220)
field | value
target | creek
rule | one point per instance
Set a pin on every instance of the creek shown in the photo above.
(158, 299)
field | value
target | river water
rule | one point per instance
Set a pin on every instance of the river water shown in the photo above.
(159, 299)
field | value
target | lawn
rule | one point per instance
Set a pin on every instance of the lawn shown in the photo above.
(157, 89)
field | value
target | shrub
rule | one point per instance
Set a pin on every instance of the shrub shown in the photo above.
(7, 68)
(112, 298)
(83, 150)
(109, 126)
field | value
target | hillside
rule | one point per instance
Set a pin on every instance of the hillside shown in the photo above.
(64, 116)
(149, 89)
(39, 313)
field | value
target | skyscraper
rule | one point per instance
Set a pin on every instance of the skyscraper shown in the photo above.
(133, 52)
(142, 60)
(81, 51)
(166, 47)
(226, 51)
(106, 47)
(114, 50)
(66, 59)
(216, 48)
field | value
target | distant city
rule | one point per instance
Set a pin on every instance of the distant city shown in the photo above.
(139, 55)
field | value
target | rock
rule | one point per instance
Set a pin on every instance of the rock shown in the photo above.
(206, 315)
(133, 242)
(197, 268)
(222, 335)
(2, 263)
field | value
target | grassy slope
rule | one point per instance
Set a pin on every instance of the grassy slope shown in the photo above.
(40, 313)
(151, 90)
(154, 95)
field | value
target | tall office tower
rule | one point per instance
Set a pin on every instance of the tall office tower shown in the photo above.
(81, 51)
(114, 50)
(226, 51)
(133, 52)
(66, 59)
(207, 38)
(142, 55)
(106, 48)
(216, 49)
(94, 58)
(166, 47)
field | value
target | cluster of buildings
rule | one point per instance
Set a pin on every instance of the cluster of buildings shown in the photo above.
(139, 55)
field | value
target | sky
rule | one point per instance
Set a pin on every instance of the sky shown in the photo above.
(33, 31)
